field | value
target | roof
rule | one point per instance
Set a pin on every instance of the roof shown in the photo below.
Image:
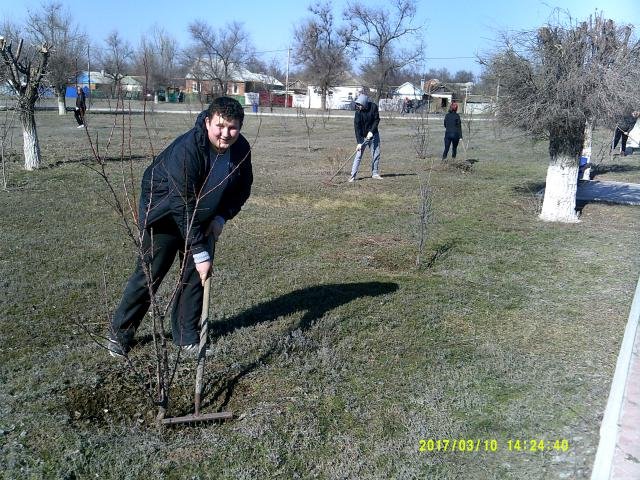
(241, 74)
(129, 80)
(408, 88)
(96, 77)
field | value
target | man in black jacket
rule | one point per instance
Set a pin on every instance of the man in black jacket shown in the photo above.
(190, 190)
(366, 122)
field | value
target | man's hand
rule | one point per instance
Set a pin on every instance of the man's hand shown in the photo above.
(203, 269)
(359, 147)
(369, 136)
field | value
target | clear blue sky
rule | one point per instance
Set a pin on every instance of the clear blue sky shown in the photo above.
(453, 30)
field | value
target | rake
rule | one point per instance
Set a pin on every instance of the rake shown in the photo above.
(202, 353)
(346, 160)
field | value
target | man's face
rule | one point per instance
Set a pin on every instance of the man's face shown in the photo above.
(222, 133)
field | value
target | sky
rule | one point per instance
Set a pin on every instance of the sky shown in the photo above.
(454, 32)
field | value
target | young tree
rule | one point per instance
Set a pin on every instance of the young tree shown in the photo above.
(558, 79)
(54, 26)
(25, 71)
(216, 55)
(321, 49)
(380, 30)
(116, 59)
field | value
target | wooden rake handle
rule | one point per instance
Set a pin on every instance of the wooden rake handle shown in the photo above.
(202, 347)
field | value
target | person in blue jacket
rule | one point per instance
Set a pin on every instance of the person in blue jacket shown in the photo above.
(199, 182)
(365, 122)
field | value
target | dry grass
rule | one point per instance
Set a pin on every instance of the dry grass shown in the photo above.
(335, 352)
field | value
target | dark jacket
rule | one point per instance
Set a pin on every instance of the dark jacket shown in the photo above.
(170, 185)
(80, 101)
(627, 122)
(367, 119)
(452, 125)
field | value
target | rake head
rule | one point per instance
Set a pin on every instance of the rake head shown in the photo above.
(205, 417)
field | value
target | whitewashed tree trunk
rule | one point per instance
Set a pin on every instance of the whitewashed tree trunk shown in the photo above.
(62, 107)
(586, 149)
(559, 204)
(31, 146)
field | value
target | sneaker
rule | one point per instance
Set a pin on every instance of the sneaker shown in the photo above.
(80, 126)
(115, 349)
(376, 176)
(352, 178)
(193, 349)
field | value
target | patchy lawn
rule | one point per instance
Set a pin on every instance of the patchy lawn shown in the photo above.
(336, 354)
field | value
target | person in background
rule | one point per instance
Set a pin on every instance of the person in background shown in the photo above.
(366, 122)
(624, 126)
(452, 131)
(81, 107)
(191, 189)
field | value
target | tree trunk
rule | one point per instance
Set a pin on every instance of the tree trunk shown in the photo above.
(559, 203)
(62, 106)
(586, 150)
(31, 146)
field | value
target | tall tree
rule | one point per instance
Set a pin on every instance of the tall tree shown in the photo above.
(54, 26)
(216, 55)
(116, 59)
(157, 58)
(559, 79)
(24, 70)
(321, 49)
(381, 30)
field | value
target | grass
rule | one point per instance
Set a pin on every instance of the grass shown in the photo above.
(336, 354)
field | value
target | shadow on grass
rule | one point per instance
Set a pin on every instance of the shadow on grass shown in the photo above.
(530, 188)
(391, 175)
(92, 160)
(314, 301)
(616, 168)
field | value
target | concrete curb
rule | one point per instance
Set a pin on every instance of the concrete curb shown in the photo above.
(603, 464)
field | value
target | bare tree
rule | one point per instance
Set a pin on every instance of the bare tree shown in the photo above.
(558, 79)
(25, 71)
(216, 55)
(442, 74)
(380, 30)
(55, 26)
(157, 59)
(321, 49)
(420, 133)
(116, 59)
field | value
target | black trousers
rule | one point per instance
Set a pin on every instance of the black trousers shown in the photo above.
(161, 243)
(79, 114)
(448, 141)
(616, 138)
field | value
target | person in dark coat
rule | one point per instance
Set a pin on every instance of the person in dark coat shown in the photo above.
(452, 131)
(365, 122)
(199, 182)
(81, 107)
(624, 126)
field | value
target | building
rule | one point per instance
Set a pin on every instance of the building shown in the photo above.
(203, 81)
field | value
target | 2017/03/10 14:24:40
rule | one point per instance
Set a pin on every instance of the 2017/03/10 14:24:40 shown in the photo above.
(537, 445)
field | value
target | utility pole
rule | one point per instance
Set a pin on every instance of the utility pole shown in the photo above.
(286, 82)
(89, 75)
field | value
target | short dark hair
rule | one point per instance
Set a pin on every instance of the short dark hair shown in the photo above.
(228, 108)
